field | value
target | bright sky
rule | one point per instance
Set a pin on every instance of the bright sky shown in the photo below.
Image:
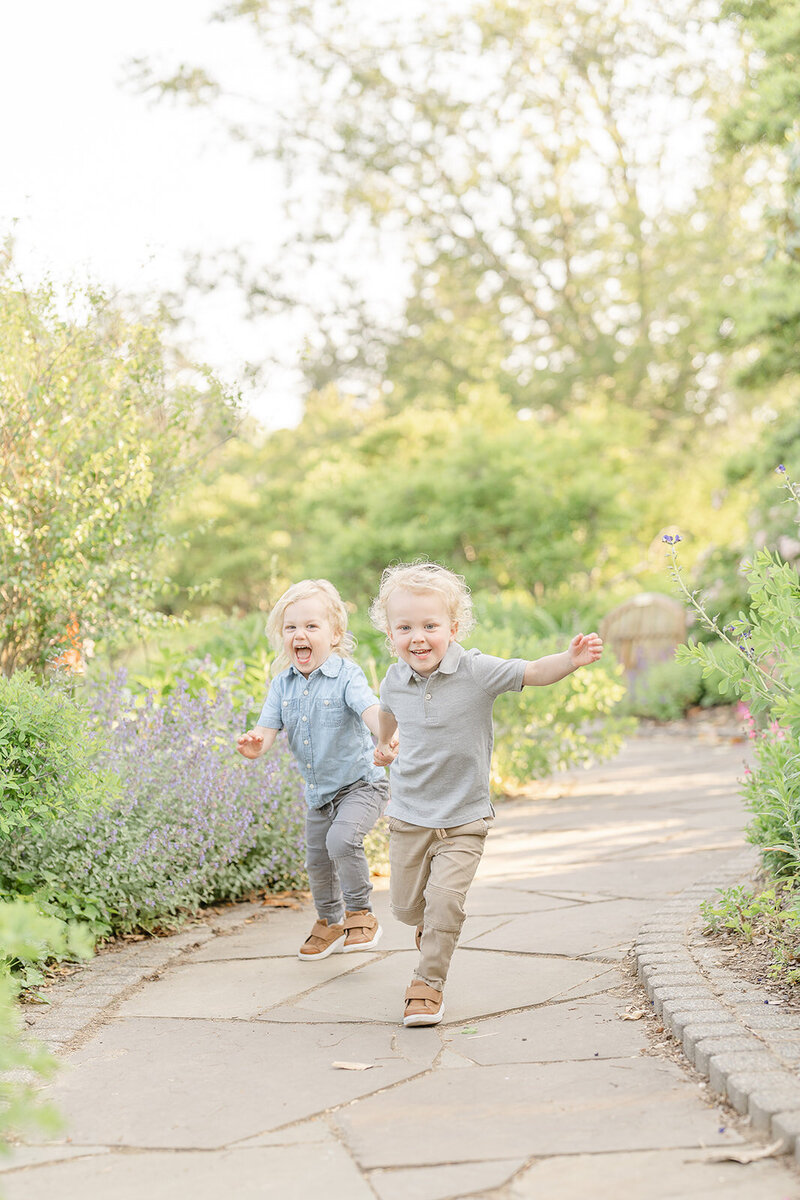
(97, 183)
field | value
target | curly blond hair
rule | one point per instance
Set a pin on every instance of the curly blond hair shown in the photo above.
(337, 613)
(424, 576)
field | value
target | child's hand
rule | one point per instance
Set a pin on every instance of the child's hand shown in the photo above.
(585, 649)
(385, 753)
(251, 744)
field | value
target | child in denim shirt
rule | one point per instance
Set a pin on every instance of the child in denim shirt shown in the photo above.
(323, 701)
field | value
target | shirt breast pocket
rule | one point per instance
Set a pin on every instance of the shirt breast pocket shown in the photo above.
(290, 715)
(332, 713)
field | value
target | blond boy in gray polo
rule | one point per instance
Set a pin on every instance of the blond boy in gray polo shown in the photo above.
(440, 697)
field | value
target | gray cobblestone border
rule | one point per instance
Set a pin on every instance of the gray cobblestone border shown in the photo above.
(735, 1033)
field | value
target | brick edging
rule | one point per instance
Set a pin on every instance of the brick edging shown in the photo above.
(724, 1024)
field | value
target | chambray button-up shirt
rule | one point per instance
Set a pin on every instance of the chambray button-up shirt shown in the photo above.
(440, 777)
(322, 718)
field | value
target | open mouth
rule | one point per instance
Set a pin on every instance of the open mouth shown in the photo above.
(302, 654)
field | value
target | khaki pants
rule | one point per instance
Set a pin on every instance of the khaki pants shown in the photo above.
(431, 870)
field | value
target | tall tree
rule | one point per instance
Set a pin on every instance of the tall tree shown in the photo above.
(767, 317)
(544, 170)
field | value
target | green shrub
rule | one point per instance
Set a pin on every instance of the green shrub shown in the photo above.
(663, 691)
(26, 937)
(45, 763)
(771, 914)
(542, 730)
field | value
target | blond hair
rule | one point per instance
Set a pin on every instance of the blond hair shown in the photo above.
(424, 576)
(337, 614)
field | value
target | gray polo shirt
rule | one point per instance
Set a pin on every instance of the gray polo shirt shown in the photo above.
(440, 777)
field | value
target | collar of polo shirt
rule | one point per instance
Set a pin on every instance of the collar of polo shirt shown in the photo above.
(331, 667)
(447, 666)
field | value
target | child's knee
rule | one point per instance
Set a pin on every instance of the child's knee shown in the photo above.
(444, 910)
(408, 916)
(344, 842)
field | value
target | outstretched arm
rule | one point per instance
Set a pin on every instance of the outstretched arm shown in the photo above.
(582, 650)
(256, 741)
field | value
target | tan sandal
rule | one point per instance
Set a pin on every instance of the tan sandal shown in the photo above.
(362, 931)
(323, 940)
(424, 1005)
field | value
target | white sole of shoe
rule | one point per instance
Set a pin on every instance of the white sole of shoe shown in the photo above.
(365, 945)
(334, 948)
(425, 1018)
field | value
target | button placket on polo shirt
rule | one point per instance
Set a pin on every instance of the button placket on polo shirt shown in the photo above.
(428, 700)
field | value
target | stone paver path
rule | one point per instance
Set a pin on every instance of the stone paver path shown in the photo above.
(216, 1078)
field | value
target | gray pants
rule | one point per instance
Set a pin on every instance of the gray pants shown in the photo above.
(431, 870)
(337, 866)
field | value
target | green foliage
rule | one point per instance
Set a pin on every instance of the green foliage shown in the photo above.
(45, 765)
(762, 666)
(771, 915)
(766, 313)
(183, 822)
(665, 690)
(26, 937)
(97, 435)
(542, 730)
(551, 507)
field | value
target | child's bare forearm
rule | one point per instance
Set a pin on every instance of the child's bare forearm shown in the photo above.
(583, 650)
(387, 727)
(549, 669)
(370, 717)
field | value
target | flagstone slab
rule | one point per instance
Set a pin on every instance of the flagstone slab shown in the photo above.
(531, 1109)
(566, 1032)
(239, 988)
(607, 929)
(443, 1183)
(288, 1172)
(684, 1174)
(484, 899)
(194, 1084)
(481, 982)
(641, 878)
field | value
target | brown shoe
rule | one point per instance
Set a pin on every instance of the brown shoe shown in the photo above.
(424, 1005)
(362, 931)
(323, 940)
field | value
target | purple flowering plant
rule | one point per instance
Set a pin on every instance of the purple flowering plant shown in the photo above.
(185, 820)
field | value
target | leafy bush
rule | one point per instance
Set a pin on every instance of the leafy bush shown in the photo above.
(665, 690)
(542, 730)
(187, 822)
(761, 664)
(26, 936)
(45, 764)
(772, 915)
(97, 437)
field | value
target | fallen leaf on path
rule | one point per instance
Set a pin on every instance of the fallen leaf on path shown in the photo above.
(747, 1154)
(472, 1029)
(352, 1066)
(280, 902)
(632, 1014)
